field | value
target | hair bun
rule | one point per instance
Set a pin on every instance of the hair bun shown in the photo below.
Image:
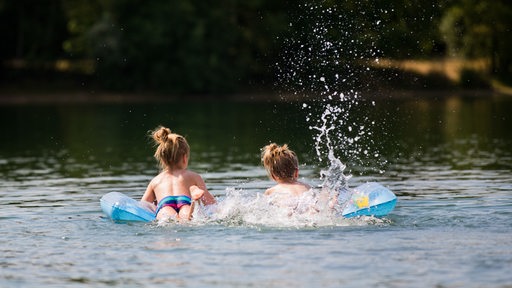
(161, 134)
(272, 147)
(275, 149)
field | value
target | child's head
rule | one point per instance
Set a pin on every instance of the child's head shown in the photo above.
(171, 148)
(281, 162)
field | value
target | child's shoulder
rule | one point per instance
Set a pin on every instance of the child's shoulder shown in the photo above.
(280, 189)
(270, 190)
(189, 174)
(304, 186)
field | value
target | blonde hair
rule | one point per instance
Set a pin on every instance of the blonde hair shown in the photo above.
(171, 147)
(279, 161)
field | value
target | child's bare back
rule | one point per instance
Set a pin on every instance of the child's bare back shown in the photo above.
(293, 189)
(175, 188)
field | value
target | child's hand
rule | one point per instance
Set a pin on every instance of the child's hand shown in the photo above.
(148, 205)
(196, 192)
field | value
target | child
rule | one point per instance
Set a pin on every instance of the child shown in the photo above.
(175, 187)
(282, 166)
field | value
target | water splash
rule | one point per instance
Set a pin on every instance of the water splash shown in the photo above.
(241, 208)
(324, 62)
(336, 182)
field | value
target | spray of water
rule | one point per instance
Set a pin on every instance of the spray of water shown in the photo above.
(323, 61)
(241, 208)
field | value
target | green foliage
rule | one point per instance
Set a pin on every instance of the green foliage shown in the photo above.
(184, 46)
(31, 30)
(197, 46)
(411, 28)
(480, 28)
(83, 18)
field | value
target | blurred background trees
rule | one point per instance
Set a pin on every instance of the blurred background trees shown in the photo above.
(226, 46)
(475, 29)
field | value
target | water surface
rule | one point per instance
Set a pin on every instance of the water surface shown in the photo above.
(448, 160)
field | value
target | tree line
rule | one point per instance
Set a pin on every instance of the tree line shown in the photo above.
(197, 46)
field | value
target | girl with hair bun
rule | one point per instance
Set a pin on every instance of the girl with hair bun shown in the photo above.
(282, 166)
(174, 189)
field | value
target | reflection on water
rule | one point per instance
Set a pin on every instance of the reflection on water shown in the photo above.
(448, 160)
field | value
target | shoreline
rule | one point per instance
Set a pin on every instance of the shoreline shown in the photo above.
(20, 97)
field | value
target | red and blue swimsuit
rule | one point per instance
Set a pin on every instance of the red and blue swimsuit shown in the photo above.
(175, 202)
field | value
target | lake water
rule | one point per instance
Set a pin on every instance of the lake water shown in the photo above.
(448, 160)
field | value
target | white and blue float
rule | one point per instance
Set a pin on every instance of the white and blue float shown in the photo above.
(120, 207)
(369, 199)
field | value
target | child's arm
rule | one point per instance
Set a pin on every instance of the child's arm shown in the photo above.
(196, 192)
(149, 195)
(206, 198)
